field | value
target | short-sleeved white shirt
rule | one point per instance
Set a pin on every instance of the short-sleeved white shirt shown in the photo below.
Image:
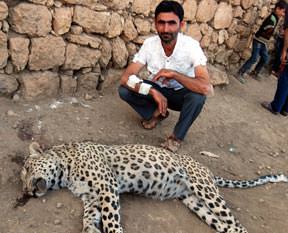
(186, 55)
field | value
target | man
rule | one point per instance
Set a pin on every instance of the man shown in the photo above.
(179, 78)
(280, 101)
(260, 40)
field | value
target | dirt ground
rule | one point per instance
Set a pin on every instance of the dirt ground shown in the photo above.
(249, 140)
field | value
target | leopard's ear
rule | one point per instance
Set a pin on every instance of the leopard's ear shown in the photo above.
(35, 150)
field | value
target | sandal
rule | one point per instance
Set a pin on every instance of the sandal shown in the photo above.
(171, 144)
(152, 123)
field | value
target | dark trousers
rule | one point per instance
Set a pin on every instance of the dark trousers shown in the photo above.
(280, 102)
(188, 103)
(258, 50)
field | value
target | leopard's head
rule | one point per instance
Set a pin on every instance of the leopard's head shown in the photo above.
(39, 172)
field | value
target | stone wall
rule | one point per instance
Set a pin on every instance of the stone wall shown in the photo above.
(48, 47)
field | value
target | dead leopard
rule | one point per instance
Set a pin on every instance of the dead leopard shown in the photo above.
(99, 173)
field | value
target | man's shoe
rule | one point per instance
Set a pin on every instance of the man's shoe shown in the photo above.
(240, 77)
(255, 75)
(284, 113)
(268, 107)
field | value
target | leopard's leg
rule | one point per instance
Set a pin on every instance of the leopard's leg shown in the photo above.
(198, 207)
(217, 205)
(91, 216)
(110, 211)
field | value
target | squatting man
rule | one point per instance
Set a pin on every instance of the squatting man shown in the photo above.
(178, 78)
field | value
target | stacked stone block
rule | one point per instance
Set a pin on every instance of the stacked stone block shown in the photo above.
(66, 45)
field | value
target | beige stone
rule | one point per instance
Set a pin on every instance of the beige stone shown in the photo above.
(238, 12)
(205, 42)
(62, 19)
(92, 4)
(190, 8)
(119, 52)
(264, 12)
(250, 16)
(75, 29)
(106, 52)
(141, 7)
(92, 21)
(116, 25)
(223, 16)
(206, 10)
(222, 36)
(117, 4)
(111, 77)
(68, 84)
(130, 31)
(217, 76)
(3, 49)
(194, 31)
(8, 85)
(3, 10)
(246, 3)
(39, 85)
(19, 52)
(78, 57)
(43, 2)
(153, 5)
(131, 48)
(232, 41)
(5, 26)
(85, 39)
(46, 53)
(31, 19)
(143, 26)
(236, 2)
(87, 82)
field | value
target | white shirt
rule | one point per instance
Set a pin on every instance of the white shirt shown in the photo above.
(186, 55)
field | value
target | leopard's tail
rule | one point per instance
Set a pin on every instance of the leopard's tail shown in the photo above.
(226, 183)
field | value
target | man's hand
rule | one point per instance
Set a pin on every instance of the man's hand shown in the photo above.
(160, 100)
(166, 74)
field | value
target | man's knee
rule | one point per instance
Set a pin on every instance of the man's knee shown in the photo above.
(195, 99)
(124, 92)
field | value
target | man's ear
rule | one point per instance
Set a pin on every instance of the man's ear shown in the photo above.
(35, 150)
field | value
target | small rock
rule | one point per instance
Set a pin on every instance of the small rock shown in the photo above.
(238, 209)
(59, 205)
(88, 97)
(261, 200)
(254, 217)
(258, 172)
(10, 113)
(57, 222)
(16, 98)
(268, 167)
(44, 200)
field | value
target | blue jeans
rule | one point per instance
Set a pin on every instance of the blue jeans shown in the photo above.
(188, 103)
(258, 49)
(280, 102)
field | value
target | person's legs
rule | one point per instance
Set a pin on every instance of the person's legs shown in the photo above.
(264, 59)
(145, 106)
(279, 102)
(254, 56)
(191, 108)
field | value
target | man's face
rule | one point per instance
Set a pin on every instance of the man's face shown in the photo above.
(280, 12)
(168, 25)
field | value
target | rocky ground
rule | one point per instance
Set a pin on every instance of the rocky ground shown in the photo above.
(249, 141)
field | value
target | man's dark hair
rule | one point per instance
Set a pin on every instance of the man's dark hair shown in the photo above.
(170, 6)
(281, 4)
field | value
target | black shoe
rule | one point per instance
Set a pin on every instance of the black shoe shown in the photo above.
(268, 107)
(283, 113)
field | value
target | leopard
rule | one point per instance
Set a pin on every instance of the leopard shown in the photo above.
(99, 173)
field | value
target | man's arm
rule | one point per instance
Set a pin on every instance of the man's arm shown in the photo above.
(200, 84)
(134, 68)
(285, 47)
